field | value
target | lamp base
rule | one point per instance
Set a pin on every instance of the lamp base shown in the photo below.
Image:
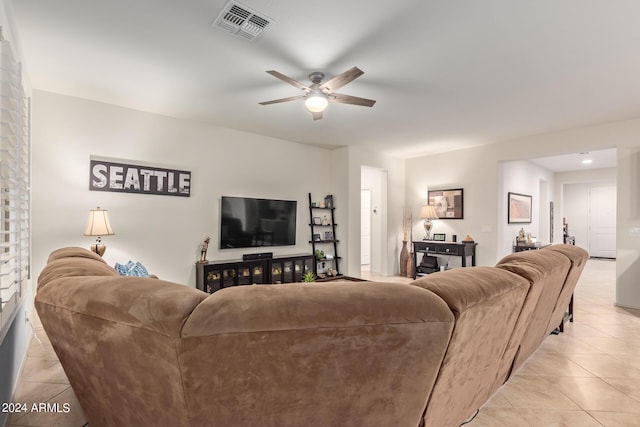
(98, 248)
(428, 225)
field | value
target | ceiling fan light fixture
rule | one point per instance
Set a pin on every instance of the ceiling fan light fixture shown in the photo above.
(318, 95)
(316, 102)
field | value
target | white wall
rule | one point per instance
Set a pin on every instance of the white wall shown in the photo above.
(162, 232)
(352, 159)
(475, 170)
(525, 178)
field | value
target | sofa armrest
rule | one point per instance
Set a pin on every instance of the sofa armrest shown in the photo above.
(151, 304)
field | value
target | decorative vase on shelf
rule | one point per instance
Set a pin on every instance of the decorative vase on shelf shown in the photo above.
(410, 265)
(404, 255)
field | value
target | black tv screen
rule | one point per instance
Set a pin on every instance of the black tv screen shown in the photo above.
(247, 222)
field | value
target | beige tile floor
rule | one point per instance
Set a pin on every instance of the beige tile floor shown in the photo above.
(587, 376)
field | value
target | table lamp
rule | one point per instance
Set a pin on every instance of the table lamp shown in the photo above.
(428, 213)
(98, 225)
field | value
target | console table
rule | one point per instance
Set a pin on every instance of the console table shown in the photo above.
(213, 276)
(529, 247)
(431, 247)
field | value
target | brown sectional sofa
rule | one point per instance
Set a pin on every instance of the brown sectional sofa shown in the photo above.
(152, 353)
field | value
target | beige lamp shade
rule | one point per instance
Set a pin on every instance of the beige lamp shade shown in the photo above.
(428, 212)
(98, 225)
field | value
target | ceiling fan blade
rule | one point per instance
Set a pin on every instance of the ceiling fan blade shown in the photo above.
(289, 80)
(348, 99)
(317, 116)
(342, 79)
(277, 101)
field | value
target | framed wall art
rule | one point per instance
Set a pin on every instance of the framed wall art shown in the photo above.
(519, 208)
(449, 204)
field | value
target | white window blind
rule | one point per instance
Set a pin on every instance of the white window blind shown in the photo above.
(14, 186)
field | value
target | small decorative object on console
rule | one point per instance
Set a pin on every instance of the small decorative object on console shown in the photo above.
(328, 201)
(203, 249)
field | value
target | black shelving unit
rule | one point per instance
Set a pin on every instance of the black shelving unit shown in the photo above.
(319, 237)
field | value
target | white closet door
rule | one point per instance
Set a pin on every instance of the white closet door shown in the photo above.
(602, 224)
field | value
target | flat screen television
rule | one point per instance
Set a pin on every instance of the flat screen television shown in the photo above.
(248, 222)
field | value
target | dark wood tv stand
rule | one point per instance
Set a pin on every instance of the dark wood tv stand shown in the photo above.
(215, 275)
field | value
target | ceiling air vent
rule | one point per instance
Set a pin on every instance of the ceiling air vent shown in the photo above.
(242, 21)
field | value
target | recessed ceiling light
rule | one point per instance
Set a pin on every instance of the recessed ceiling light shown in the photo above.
(586, 158)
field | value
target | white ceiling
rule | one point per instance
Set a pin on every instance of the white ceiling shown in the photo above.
(445, 74)
(574, 162)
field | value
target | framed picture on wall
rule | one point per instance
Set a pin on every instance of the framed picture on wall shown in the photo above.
(448, 203)
(519, 208)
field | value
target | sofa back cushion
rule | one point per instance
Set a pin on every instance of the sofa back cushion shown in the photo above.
(578, 258)
(331, 354)
(546, 271)
(486, 302)
(73, 267)
(74, 252)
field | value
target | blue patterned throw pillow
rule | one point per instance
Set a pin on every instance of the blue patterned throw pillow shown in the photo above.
(132, 269)
(121, 269)
(138, 270)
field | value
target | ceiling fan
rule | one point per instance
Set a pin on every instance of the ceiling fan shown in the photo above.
(318, 95)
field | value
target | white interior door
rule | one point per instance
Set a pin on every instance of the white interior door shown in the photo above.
(365, 227)
(602, 224)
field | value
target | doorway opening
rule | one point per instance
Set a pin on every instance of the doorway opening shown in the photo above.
(373, 220)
